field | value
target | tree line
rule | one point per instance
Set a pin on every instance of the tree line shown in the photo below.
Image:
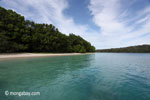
(20, 35)
(131, 49)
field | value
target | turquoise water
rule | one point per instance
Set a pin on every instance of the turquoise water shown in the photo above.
(99, 76)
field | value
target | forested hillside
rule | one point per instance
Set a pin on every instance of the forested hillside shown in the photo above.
(131, 49)
(20, 35)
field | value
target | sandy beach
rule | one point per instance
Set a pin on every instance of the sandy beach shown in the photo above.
(23, 55)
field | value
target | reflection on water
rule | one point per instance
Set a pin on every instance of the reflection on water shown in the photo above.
(100, 76)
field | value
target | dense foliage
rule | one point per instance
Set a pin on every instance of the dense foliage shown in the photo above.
(20, 35)
(131, 49)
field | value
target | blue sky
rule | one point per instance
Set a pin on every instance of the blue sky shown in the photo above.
(105, 23)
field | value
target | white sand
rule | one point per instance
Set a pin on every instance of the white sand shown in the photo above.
(22, 55)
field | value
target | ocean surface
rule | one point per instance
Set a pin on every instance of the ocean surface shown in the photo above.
(99, 76)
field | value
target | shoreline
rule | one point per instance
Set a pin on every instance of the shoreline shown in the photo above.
(28, 55)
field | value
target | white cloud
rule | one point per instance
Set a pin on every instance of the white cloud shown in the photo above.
(105, 15)
(117, 28)
(143, 20)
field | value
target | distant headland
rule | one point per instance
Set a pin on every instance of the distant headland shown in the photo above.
(131, 49)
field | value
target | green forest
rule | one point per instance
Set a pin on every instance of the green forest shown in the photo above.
(131, 49)
(20, 35)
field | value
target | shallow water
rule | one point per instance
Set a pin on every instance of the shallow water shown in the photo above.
(99, 76)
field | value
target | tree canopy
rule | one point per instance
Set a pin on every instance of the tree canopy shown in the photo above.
(20, 35)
